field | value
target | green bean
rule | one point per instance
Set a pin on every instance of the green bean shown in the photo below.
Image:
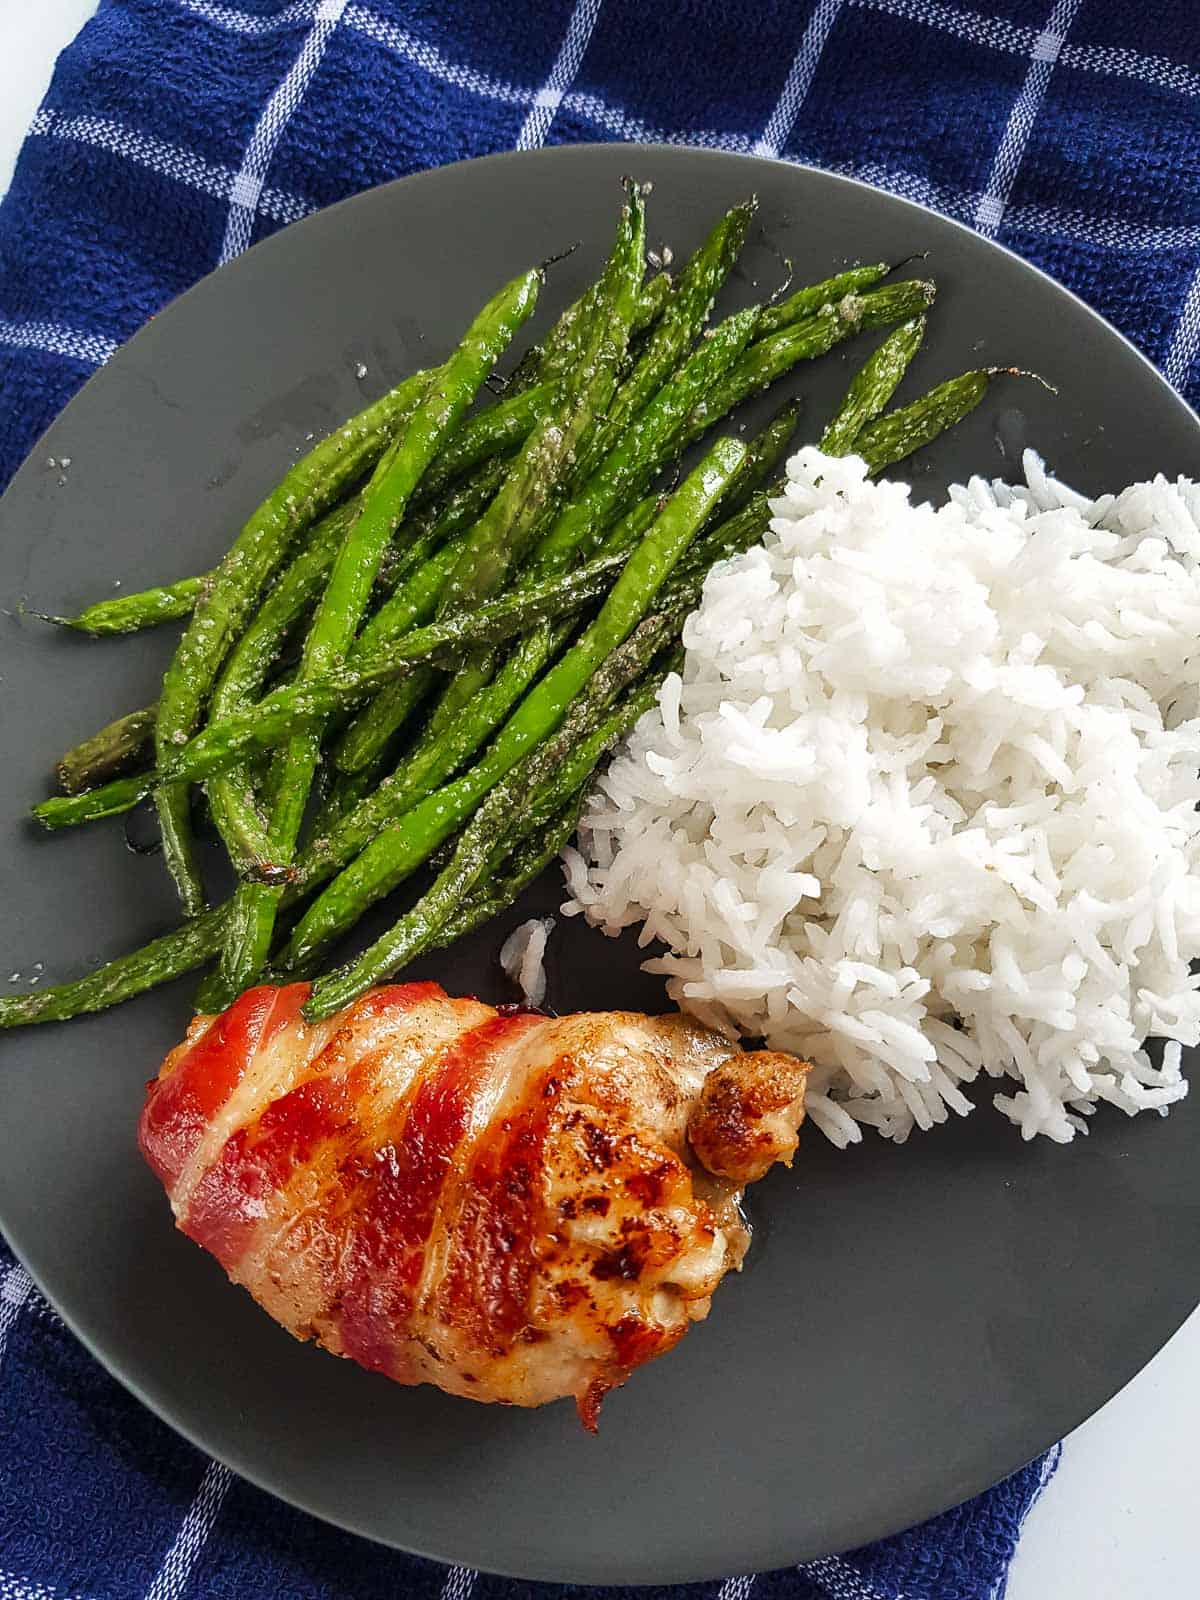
(280, 713)
(108, 800)
(503, 532)
(251, 659)
(368, 736)
(244, 672)
(222, 745)
(364, 741)
(587, 734)
(510, 877)
(450, 392)
(565, 347)
(873, 386)
(339, 614)
(163, 959)
(917, 426)
(540, 369)
(651, 301)
(344, 791)
(547, 364)
(435, 758)
(733, 535)
(816, 295)
(498, 431)
(642, 448)
(427, 530)
(553, 360)
(231, 794)
(533, 789)
(414, 602)
(542, 471)
(768, 359)
(900, 434)
(628, 532)
(442, 749)
(130, 613)
(109, 753)
(401, 848)
(767, 450)
(147, 608)
(897, 435)
(311, 487)
(472, 676)
(372, 730)
(158, 962)
(676, 331)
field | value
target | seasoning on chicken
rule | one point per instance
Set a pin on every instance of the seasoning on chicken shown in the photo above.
(510, 1206)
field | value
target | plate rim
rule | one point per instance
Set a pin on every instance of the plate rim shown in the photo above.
(883, 1526)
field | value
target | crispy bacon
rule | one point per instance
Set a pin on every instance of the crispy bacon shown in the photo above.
(507, 1205)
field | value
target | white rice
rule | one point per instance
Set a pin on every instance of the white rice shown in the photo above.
(522, 955)
(923, 803)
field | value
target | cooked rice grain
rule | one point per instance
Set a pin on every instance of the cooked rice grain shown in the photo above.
(923, 804)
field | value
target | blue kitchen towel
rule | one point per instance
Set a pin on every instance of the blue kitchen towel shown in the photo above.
(177, 132)
(99, 1500)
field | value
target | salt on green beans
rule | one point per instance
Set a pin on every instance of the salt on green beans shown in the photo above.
(274, 718)
(130, 613)
(676, 330)
(534, 789)
(123, 743)
(311, 487)
(643, 447)
(542, 471)
(409, 841)
(814, 296)
(450, 390)
(873, 386)
(899, 433)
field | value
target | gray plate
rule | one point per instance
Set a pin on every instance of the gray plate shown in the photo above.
(914, 1323)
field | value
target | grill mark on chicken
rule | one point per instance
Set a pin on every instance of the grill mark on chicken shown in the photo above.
(489, 1264)
(300, 1257)
(291, 1102)
(386, 1254)
(504, 1204)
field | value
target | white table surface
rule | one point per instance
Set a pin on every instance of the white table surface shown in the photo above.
(1118, 1522)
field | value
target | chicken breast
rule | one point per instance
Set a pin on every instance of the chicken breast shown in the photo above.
(510, 1206)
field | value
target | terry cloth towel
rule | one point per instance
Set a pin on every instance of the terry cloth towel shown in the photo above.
(178, 132)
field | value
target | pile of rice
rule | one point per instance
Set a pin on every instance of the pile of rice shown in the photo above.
(923, 804)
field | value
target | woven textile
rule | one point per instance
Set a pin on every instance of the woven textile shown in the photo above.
(178, 132)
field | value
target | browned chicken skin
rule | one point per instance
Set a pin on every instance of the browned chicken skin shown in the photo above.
(506, 1205)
